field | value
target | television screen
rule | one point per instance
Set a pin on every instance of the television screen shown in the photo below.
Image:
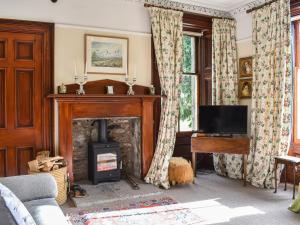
(223, 119)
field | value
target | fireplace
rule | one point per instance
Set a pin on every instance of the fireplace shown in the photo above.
(95, 104)
(104, 157)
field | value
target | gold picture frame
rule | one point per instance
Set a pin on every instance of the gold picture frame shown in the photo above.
(245, 67)
(245, 88)
(106, 54)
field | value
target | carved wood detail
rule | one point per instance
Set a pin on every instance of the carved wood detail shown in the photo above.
(99, 87)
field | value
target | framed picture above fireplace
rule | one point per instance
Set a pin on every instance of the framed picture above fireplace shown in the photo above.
(106, 55)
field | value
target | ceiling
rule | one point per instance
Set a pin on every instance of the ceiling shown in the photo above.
(225, 5)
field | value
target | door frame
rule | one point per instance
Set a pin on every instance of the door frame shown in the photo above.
(46, 30)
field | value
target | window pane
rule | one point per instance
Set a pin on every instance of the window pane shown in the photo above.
(188, 54)
(188, 103)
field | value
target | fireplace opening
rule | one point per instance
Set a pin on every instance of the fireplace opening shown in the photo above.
(117, 141)
(104, 157)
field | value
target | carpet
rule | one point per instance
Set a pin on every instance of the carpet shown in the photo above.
(150, 212)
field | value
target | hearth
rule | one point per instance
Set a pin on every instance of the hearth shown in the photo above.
(104, 157)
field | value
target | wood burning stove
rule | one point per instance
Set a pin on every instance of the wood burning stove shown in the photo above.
(104, 157)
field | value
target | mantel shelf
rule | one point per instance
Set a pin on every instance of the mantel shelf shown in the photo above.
(74, 96)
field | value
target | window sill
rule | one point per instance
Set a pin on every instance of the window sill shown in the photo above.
(185, 133)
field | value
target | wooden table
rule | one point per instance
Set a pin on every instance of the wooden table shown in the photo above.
(201, 143)
(286, 160)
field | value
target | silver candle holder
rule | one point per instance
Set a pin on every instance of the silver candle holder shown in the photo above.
(81, 81)
(130, 84)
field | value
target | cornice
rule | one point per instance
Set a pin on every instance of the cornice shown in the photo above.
(247, 6)
(201, 9)
(186, 7)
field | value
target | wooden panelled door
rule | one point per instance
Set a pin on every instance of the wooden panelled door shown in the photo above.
(25, 113)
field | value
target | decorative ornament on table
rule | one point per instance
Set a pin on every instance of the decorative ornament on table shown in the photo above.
(130, 83)
(110, 90)
(62, 89)
(81, 80)
(152, 90)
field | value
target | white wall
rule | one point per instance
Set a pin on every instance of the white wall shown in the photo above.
(244, 49)
(112, 14)
(243, 26)
(69, 47)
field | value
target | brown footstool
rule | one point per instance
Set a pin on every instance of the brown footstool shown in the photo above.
(180, 171)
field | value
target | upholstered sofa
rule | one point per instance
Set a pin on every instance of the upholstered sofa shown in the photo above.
(37, 193)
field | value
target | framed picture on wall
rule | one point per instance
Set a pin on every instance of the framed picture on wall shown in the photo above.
(245, 67)
(106, 55)
(245, 88)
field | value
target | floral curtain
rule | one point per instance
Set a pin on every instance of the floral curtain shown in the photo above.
(272, 91)
(167, 37)
(224, 85)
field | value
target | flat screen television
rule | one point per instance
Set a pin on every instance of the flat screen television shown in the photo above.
(223, 119)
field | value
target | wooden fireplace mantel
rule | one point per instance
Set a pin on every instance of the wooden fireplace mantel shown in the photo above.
(71, 106)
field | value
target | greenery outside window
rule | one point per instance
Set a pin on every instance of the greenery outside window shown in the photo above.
(189, 86)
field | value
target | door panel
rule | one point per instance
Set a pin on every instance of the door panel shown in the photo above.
(25, 116)
(24, 98)
(24, 154)
(3, 48)
(3, 162)
(24, 50)
(2, 99)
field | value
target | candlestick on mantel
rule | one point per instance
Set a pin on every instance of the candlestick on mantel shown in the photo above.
(81, 80)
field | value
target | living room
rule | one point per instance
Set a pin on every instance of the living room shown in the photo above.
(149, 112)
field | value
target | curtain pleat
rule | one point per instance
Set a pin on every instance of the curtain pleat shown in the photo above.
(167, 37)
(224, 86)
(272, 91)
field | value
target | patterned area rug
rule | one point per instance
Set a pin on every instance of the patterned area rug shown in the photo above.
(149, 212)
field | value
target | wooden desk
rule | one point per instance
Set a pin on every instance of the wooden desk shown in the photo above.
(201, 143)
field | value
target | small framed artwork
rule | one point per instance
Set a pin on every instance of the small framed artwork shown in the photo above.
(110, 90)
(106, 55)
(245, 88)
(245, 67)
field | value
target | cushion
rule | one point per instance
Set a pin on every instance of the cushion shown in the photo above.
(5, 215)
(16, 207)
(44, 186)
(46, 212)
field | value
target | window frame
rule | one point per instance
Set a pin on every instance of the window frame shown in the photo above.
(197, 73)
(296, 98)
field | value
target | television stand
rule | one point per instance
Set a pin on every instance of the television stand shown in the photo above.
(203, 143)
(216, 135)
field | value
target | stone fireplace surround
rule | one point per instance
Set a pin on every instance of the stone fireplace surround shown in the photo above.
(96, 104)
(124, 130)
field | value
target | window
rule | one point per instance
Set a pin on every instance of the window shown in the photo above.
(189, 86)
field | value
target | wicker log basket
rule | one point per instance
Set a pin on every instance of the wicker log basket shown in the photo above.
(56, 166)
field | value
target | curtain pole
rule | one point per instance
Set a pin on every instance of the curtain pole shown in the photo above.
(147, 5)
